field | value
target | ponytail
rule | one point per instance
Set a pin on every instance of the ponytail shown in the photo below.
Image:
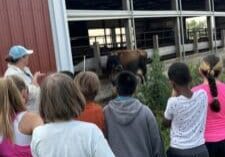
(6, 128)
(6, 125)
(10, 105)
(215, 105)
(211, 68)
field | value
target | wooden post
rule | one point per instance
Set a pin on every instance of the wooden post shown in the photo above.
(210, 33)
(128, 25)
(177, 37)
(156, 42)
(195, 41)
(174, 4)
(113, 36)
(97, 58)
(223, 38)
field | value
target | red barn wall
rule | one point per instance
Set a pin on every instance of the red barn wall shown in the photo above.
(27, 22)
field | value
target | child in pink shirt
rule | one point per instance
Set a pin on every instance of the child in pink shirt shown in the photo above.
(210, 69)
(16, 123)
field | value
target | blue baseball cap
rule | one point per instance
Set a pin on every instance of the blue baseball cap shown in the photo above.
(17, 52)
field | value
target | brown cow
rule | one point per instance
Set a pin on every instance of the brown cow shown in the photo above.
(131, 60)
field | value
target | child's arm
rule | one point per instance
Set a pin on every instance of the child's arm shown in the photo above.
(168, 115)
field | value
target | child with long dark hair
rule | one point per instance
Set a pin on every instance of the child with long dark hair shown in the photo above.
(210, 69)
(186, 115)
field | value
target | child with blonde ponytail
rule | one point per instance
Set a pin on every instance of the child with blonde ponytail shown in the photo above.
(16, 124)
(210, 69)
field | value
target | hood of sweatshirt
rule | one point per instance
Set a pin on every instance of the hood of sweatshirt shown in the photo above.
(125, 110)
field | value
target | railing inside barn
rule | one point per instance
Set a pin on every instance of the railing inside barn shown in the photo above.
(165, 37)
(106, 45)
(195, 41)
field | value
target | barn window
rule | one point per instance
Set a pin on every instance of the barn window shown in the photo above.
(108, 37)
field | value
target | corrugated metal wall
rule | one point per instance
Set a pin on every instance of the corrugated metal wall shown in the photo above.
(27, 22)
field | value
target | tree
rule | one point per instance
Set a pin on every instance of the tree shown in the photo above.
(156, 90)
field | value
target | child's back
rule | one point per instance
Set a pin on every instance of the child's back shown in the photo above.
(188, 120)
(69, 139)
(93, 113)
(89, 84)
(132, 129)
(185, 114)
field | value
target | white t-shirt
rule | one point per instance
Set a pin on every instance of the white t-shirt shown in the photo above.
(19, 138)
(69, 139)
(188, 116)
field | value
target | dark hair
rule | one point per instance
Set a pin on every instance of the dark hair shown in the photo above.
(126, 83)
(213, 71)
(179, 73)
(61, 100)
(68, 73)
(89, 84)
(11, 60)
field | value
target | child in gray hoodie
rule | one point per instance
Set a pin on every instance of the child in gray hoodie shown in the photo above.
(132, 130)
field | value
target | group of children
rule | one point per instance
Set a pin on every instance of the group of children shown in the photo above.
(196, 116)
(70, 122)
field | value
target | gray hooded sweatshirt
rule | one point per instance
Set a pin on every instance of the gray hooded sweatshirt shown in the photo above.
(132, 130)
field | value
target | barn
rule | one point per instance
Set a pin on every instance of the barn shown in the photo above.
(27, 22)
(62, 32)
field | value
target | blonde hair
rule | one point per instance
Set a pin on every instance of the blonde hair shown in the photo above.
(89, 84)
(211, 65)
(61, 100)
(19, 82)
(11, 104)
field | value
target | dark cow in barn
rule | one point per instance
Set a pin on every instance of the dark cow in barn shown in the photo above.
(130, 60)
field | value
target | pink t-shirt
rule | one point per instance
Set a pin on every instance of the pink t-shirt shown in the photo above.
(9, 149)
(215, 122)
(20, 147)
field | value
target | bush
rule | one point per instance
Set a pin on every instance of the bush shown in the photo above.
(156, 90)
(196, 77)
(222, 77)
